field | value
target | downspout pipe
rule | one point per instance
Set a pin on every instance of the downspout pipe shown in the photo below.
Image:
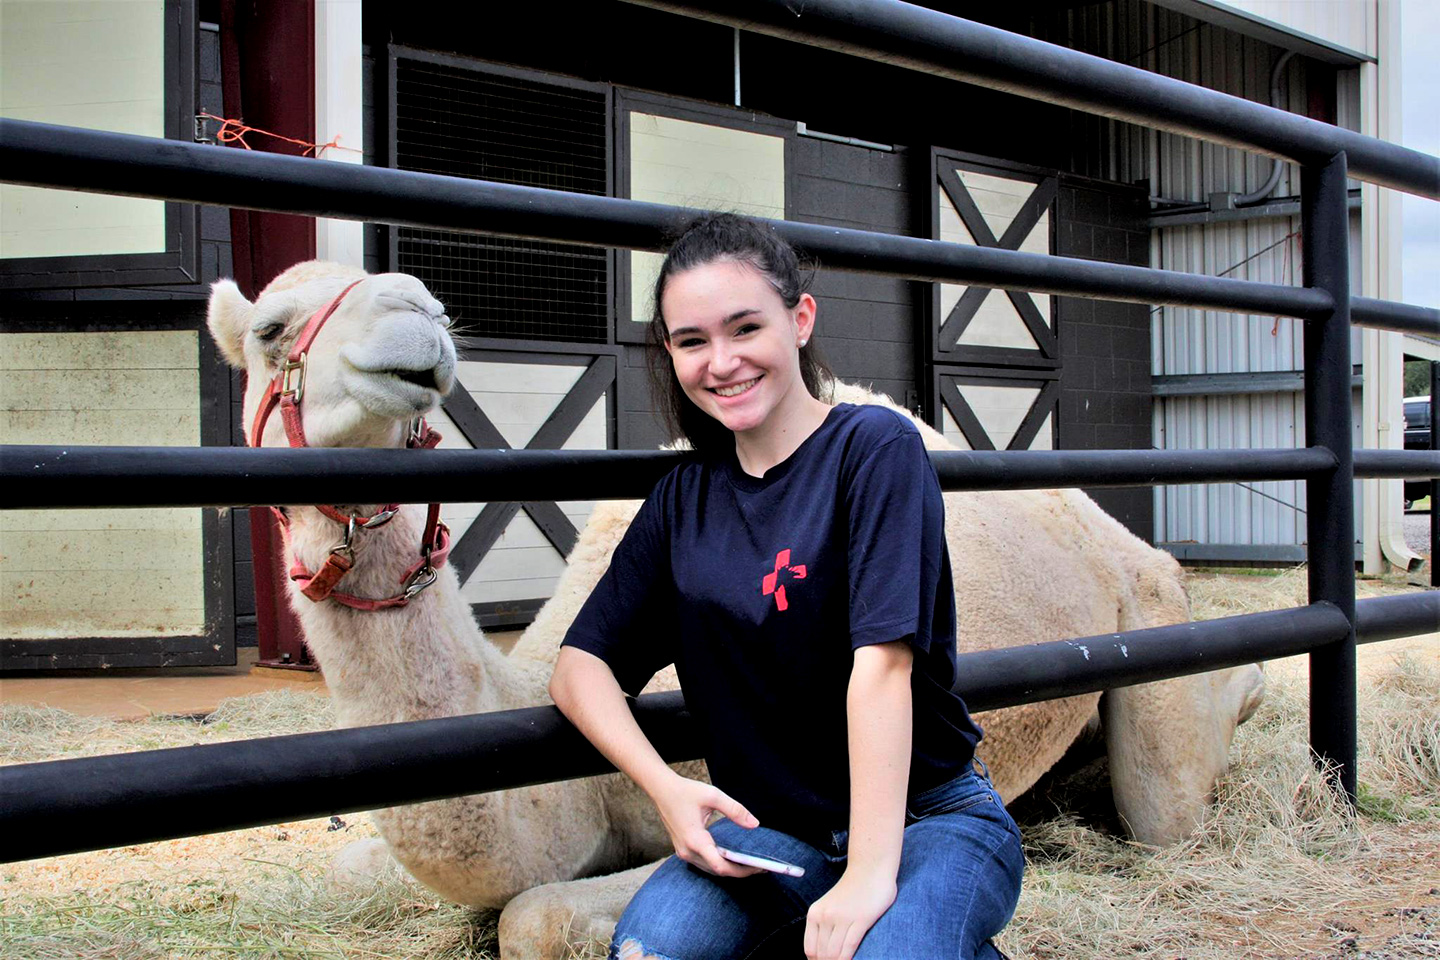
(1262, 192)
(1268, 187)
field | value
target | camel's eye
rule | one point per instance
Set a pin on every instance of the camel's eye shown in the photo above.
(270, 332)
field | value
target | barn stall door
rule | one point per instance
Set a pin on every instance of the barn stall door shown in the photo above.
(113, 587)
(509, 556)
(994, 359)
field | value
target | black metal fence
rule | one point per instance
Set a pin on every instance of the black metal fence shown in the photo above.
(67, 806)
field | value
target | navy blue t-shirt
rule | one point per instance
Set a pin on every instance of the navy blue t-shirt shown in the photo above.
(759, 590)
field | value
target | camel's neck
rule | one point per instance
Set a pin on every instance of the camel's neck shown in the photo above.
(426, 659)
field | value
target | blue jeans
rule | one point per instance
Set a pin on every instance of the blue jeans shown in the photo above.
(958, 885)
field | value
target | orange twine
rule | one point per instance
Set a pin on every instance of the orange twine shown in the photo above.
(234, 131)
(1285, 275)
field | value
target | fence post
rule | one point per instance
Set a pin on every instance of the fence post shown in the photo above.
(1330, 498)
(1434, 481)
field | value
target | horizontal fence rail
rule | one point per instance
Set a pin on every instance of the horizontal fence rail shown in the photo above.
(64, 476)
(1397, 464)
(66, 806)
(71, 805)
(936, 43)
(70, 158)
(1389, 315)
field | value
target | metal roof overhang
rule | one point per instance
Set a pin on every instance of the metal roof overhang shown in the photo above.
(1248, 24)
(1421, 348)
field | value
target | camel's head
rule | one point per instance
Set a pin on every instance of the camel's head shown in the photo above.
(384, 357)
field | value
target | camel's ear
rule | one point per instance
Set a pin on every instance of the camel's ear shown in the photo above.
(228, 317)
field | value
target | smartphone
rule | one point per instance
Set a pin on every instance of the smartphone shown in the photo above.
(764, 863)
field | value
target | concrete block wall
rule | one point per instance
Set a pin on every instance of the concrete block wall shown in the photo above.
(1105, 347)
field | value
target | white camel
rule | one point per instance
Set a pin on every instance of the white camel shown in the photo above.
(1029, 567)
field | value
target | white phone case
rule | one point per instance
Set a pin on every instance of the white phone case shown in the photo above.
(764, 863)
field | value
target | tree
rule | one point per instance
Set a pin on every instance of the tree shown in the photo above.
(1417, 378)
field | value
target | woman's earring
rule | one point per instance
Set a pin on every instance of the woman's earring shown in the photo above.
(803, 342)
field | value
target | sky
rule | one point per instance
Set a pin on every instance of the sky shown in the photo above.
(1420, 130)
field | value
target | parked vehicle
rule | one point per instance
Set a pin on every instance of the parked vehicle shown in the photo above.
(1418, 425)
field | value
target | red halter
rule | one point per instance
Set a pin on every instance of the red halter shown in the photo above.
(286, 390)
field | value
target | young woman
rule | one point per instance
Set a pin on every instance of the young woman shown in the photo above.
(796, 573)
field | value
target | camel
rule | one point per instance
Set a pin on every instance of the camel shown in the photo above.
(1029, 566)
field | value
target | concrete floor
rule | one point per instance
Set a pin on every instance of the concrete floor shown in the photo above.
(137, 693)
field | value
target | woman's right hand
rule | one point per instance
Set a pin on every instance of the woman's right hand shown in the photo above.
(685, 808)
(585, 690)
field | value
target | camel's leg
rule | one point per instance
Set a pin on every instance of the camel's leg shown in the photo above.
(1169, 742)
(1023, 742)
(1244, 690)
(364, 863)
(543, 922)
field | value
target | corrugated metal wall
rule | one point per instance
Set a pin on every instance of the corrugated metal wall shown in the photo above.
(1218, 521)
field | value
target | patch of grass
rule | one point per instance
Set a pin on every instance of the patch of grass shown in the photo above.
(1390, 809)
(1241, 571)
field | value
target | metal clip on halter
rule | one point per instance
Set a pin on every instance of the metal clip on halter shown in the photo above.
(344, 547)
(382, 517)
(420, 579)
(297, 387)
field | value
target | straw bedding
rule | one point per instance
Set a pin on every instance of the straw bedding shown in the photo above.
(1280, 870)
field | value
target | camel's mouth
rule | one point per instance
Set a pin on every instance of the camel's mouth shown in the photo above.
(401, 373)
(400, 392)
(420, 378)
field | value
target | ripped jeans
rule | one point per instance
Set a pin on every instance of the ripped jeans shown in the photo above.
(958, 885)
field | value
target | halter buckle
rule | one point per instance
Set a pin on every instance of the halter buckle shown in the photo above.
(297, 388)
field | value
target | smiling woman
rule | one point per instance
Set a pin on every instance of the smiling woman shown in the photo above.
(742, 294)
(735, 349)
(796, 574)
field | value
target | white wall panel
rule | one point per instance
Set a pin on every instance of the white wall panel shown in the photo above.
(952, 432)
(517, 397)
(1045, 439)
(1000, 410)
(701, 165)
(85, 64)
(101, 573)
(952, 230)
(1345, 23)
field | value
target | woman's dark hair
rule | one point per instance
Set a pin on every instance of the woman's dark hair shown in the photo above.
(708, 239)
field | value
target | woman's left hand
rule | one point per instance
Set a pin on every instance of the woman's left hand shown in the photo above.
(839, 920)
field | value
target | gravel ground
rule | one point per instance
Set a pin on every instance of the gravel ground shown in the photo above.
(1417, 531)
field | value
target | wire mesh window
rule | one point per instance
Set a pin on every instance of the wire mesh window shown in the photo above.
(466, 123)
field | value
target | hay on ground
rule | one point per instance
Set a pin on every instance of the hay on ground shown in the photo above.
(1280, 870)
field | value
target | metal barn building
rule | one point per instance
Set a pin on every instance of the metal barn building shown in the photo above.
(102, 299)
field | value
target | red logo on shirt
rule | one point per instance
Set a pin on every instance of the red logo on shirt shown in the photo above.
(770, 583)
